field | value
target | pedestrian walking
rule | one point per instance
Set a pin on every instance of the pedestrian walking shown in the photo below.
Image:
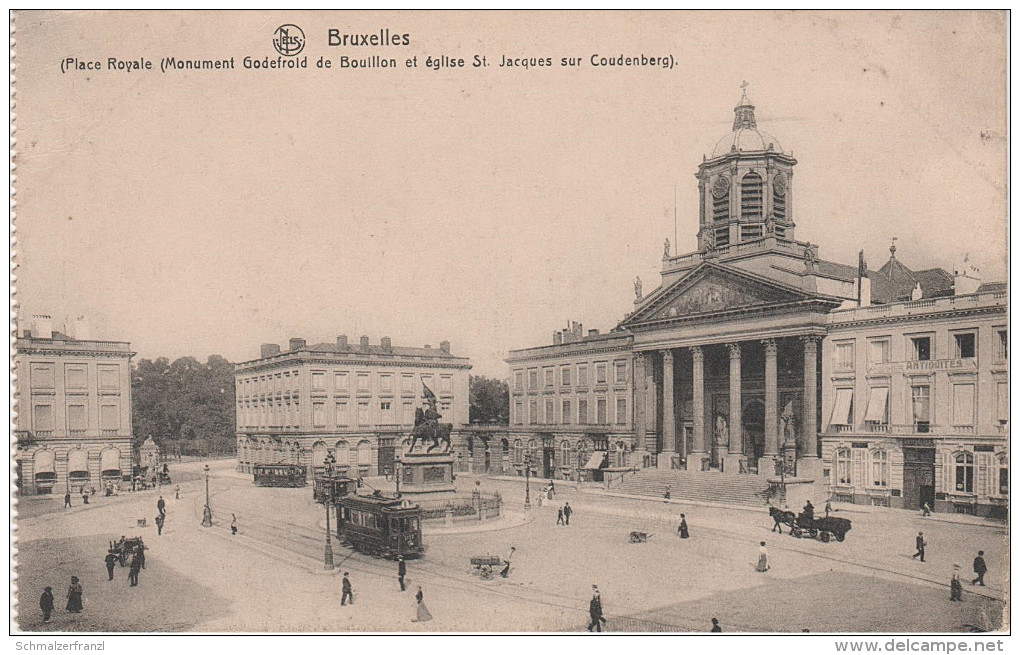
(160, 518)
(177, 492)
(67, 500)
(136, 567)
(926, 509)
(763, 559)
(955, 586)
(84, 496)
(111, 562)
(506, 569)
(140, 552)
(552, 489)
(161, 506)
(828, 508)
(348, 592)
(401, 572)
(682, 530)
(74, 594)
(715, 626)
(595, 610)
(422, 613)
(920, 543)
(980, 568)
(46, 604)
(233, 524)
(559, 517)
(567, 511)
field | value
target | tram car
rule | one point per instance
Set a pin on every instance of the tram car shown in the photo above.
(335, 487)
(381, 526)
(279, 475)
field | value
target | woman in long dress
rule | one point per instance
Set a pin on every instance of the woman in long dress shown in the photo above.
(423, 612)
(682, 530)
(763, 559)
(74, 593)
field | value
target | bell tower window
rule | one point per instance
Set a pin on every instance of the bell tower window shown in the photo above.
(750, 232)
(751, 197)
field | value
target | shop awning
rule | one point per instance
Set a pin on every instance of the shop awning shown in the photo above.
(45, 461)
(596, 459)
(110, 460)
(841, 410)
(876, 404)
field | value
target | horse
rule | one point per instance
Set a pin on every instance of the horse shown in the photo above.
(438, 433)
(781, 517)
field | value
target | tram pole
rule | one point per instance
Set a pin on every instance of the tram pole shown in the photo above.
(527, 479)
(207, 512)
(328, 555)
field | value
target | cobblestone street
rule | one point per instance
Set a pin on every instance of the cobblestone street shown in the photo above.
(270, 577)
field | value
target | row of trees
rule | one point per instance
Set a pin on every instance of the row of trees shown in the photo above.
(187, 407)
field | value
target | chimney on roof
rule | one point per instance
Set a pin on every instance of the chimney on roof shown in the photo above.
(81, 329)
(386, 343)
(593, 333)
(297, 344)
(445, 346)
(557, 338)
(364, 342)
(428, 346)
(42, 326)
(341, 342)
(270, 349)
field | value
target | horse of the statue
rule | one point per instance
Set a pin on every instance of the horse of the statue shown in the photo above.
(428, 428)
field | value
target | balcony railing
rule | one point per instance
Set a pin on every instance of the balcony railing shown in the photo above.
(919, 306)
(77, 433)
(110, 433)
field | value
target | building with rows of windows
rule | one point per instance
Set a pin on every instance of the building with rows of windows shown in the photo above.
(754, 356)
(357, 401)
(74, 409)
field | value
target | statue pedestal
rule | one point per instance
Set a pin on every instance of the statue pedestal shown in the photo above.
(734, 463)
(427, 476)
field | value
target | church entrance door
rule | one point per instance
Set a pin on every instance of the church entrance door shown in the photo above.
(753, 420)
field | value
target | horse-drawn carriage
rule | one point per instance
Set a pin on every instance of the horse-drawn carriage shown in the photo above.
(823, 529)
(125, 548)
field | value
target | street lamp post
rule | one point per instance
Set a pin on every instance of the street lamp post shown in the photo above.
(328, 556)
(207, 512)
(527, 479)
(398, 469)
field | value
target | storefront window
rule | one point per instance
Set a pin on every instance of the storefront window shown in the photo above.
(843, 466)
(880, 468)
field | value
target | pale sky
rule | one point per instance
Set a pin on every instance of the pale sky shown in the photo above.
(203, 212)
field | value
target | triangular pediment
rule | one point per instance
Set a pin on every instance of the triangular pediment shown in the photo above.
(714, 289)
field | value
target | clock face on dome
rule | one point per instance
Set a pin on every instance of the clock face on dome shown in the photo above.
(721, 186)
(779, 185)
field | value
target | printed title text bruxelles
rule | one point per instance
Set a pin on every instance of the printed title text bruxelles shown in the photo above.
(336, 38)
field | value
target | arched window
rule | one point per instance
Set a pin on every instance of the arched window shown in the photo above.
(343, 453)
(365, 453)
(965, 472)
(843, 466)
(880, 468)
(318, 455)
(779, 197)
(751, 197)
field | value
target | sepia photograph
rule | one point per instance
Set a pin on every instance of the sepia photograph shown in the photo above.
(511, 322)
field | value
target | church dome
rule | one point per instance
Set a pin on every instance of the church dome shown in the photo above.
(745, 136)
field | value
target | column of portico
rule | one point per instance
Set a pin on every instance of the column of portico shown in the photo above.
(640, 427)
(808, 466)
(699, 452)
(766, 464)
(668, 419)
(732, 463)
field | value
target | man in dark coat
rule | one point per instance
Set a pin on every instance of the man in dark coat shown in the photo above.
(567, 511)
(46, 604)
(136, 566)
(920, 546)
(401, 572)
(160, 518)
(111, 562)
(348, 592)
(595, 611)
(980, 568)
(715, 626)
(161, 506)
(67, 499)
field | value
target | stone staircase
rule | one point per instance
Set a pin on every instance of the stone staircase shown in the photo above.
(708, 487)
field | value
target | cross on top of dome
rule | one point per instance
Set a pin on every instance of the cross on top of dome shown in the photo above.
(744, 111)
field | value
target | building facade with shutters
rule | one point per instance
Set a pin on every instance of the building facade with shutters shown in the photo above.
(751, 357)
(916, 404)
(73, 422)
(354, 400)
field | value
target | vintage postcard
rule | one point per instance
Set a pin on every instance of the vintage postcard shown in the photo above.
(511, 322)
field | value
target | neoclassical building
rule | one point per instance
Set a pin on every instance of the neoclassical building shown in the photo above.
(725, 366)
(356, 400)
(73, 423)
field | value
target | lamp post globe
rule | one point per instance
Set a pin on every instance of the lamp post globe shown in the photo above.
(207, 512)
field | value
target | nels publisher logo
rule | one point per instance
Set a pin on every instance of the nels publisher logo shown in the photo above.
(289, 40)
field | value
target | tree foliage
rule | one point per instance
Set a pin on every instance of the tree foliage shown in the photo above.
(185, 406)
(490, 400)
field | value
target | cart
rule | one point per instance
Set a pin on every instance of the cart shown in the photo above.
(484, 565)
(639, 537)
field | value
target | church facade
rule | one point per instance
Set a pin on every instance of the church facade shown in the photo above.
(728, 361)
